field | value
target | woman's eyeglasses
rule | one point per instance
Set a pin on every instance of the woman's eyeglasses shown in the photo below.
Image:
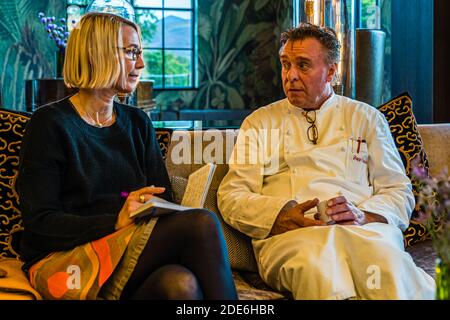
(132, 53)
(312, 132)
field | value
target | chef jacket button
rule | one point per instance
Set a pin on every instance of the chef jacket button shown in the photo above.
(288, 132)
(342, 149)
(342, 128)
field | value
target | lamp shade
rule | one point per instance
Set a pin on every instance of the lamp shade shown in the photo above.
(121, 8)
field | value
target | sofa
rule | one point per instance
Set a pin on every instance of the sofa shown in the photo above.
(248, 282)
(217, 145)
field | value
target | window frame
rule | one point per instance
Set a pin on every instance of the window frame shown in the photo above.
(193, 48)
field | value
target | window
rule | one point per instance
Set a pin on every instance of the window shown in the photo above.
(168, 39)
(368, 14)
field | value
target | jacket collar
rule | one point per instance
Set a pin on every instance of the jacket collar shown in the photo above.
(331, 101)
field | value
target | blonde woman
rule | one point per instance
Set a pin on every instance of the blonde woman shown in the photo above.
(86, 163)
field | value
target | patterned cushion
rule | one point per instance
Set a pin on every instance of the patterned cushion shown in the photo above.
(179, 185)
(163, 136)
(403, 125)
(12, 127)
(239, 245)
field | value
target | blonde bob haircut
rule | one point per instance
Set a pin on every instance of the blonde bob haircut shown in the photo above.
(93, 58)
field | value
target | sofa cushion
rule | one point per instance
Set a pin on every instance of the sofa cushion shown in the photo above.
(182, 161)
(399, 114)
(12, 128)
(179, 185)
(14, 285)
(435, 138)
(163, 136)
(240, 250)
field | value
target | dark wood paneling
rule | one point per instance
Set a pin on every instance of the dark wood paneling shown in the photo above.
(412, 52)
(441, 61)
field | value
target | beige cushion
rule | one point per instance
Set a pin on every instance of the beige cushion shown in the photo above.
(435, 139)
(14, 285)
(240, 250)
(181, 161)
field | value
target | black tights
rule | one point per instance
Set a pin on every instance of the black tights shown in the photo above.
(185, 258)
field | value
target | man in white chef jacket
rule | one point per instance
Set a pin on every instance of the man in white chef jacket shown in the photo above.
(314, 146)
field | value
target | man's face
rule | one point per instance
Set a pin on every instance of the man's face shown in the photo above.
(305, 73)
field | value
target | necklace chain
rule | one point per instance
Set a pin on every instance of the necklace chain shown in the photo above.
(96, 122)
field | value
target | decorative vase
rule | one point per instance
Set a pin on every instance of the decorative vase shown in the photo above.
(369, 65)
(59, 63)
(442, 280)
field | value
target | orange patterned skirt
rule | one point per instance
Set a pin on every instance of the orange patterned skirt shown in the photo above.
(81, 272)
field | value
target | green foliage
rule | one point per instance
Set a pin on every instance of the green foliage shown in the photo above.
(260, 4)
(225, 40)
(148, 27)
(386, 26)
(434, 202)
(177, 65)
(11, 18)
(174, 65)
(237, 55)
(237, 52)
(23, 47)
(368, 9)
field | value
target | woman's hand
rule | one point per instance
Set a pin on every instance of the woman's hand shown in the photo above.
(135, 200)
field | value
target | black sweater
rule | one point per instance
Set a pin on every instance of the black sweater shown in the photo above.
(72, 174)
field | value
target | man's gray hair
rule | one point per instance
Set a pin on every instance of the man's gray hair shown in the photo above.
(326, 36)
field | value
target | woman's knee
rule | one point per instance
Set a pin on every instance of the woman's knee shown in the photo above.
(197, 222)
(175, 282)
(207, 225)
(204, 218)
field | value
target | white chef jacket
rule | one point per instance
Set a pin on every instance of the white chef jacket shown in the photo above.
(355, 156)
(251, 196)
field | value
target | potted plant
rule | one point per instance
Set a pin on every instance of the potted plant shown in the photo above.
(57, 31)
(434, 201)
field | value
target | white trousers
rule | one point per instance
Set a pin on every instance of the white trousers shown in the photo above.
(341, 262)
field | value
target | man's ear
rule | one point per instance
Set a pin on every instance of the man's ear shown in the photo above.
(332, 72)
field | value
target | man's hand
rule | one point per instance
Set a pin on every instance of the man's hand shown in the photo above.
(344, 212)
(292, 216)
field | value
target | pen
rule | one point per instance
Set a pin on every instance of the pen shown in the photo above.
(359, 144)
(125, 194)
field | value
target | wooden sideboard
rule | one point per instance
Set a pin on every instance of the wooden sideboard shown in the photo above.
(39, 92)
